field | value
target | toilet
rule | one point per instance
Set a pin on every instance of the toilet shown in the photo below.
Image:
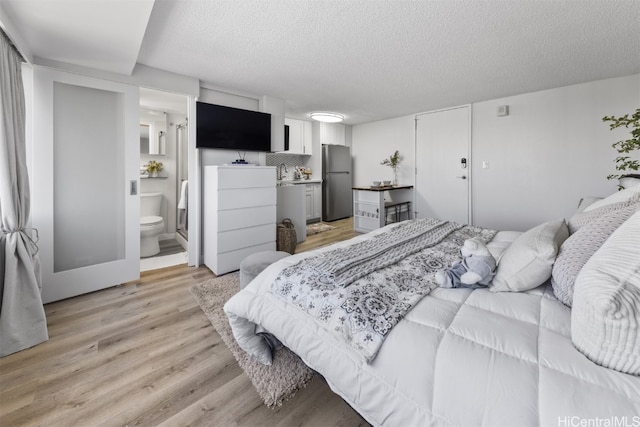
(151, 223)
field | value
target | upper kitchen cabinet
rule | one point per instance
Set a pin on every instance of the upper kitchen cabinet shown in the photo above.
(300, 136)
(332, 133)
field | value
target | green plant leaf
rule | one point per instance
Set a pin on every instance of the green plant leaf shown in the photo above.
(623, 163)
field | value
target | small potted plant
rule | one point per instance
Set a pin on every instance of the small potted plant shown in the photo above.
(625, 163)
(153, 168)
(393, 162)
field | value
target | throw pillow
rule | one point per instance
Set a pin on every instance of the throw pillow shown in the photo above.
(586, 202)
(527, 263)
(605, 317)
(585, 217)
(581, 245)
(618, 196)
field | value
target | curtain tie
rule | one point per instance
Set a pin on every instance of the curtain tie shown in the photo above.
(31, 242)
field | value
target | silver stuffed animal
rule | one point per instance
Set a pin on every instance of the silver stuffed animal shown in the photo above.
(475, 270)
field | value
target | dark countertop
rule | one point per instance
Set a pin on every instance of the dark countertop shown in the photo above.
(383, 188)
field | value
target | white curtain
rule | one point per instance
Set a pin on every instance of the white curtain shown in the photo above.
(22, 318)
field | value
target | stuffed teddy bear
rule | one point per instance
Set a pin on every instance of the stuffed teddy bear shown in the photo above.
(475, 270)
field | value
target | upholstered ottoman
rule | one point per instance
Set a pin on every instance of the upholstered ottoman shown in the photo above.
(253, 265)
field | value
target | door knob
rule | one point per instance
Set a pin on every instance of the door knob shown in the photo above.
(462, 177)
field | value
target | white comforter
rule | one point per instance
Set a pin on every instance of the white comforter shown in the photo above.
(459, 357)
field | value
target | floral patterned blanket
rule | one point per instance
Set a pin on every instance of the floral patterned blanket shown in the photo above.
(360, 292)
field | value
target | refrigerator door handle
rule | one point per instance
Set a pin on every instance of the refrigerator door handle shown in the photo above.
(337, 172)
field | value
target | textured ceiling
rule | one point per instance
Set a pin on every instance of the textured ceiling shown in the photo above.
(367, 59)
(374, 59)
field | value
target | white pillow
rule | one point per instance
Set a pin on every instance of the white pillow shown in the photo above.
(605, 317)
(527, 263)
(618, 196)
(629, 181)
(501, 241)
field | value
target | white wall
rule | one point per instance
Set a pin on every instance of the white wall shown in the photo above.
(551, 150)
(219, 157)
(142, 75)
(376, 141)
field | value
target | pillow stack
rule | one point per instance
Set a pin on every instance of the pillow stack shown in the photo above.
(589, 230)
(597, 270)
(586, 238)
(605, 318)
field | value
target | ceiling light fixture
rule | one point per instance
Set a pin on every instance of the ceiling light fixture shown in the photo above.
(327, 117)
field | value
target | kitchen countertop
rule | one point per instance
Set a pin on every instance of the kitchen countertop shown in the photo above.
(299, 181)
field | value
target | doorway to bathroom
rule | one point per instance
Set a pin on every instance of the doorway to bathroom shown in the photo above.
(163, 179)
(182, 188)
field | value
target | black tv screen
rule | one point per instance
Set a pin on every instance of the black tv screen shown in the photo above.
(232, 128)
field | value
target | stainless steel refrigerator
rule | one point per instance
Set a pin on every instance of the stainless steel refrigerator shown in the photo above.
(337, 194)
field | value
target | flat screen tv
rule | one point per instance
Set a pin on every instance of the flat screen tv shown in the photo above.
(232, 128)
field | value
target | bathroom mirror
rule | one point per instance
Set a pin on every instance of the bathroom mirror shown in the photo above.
(153, 132)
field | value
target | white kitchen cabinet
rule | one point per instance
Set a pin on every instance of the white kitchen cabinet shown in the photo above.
(239, 214)
(291, 205)
(313, 202)
(300, 136)
(308, 138)
(332, 133)
(317, 200)
(308, 202)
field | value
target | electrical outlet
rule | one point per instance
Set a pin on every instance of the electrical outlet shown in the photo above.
(485, 165)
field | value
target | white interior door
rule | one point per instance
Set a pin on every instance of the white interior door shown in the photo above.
(85, 178)
(442, 176)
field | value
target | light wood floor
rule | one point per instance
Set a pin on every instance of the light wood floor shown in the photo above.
(343, 230)
(144, 354)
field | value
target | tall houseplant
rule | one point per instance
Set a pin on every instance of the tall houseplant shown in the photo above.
(624, 162)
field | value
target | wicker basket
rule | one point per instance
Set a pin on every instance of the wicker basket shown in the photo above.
(286, 238)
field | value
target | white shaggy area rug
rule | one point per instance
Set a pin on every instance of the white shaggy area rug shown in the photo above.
(276, 383)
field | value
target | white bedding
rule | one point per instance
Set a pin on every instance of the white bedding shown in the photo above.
(459, 357)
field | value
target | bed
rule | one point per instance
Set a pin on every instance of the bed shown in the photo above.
(465, 356)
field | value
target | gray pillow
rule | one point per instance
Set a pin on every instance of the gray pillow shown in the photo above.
(581, 245)
(585, 202)
(618, 196)
(580, 219)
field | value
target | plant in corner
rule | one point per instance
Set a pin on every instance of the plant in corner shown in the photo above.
(393, 162)
(624, 162)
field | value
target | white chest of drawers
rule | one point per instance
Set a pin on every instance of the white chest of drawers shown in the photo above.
(239, 214)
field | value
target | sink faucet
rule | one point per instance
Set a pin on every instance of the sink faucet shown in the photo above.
(280, 170)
